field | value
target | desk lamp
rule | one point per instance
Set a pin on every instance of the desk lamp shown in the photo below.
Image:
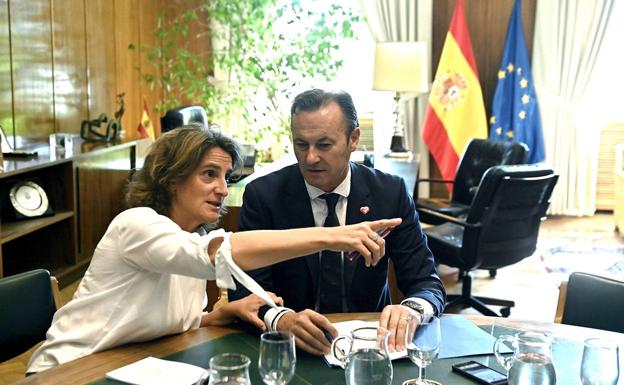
(400, 67)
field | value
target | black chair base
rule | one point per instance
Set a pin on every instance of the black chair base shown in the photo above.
(480, 304)
(466, 299)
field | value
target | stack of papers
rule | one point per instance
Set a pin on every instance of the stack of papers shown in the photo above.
(460, 338)
(154, 371)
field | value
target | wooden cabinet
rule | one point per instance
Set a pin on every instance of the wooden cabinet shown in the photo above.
(85, 189)
(52, 239)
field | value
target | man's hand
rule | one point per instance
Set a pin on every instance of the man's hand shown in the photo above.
(395, 318)
(308, 327)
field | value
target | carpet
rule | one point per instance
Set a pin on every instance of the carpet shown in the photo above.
(567, 255)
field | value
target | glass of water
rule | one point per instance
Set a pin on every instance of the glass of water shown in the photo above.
(277, 359)
(227, 369)
(601, 362)
(423, 344)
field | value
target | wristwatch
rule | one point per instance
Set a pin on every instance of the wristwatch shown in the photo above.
(417, 307)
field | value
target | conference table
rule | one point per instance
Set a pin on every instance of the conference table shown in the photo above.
(197, 346)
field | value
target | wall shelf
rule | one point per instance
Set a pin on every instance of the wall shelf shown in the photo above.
(14, 230)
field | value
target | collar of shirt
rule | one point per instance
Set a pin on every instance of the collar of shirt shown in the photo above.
(319, 207)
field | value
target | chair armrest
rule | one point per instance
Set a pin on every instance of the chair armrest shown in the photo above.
(449, 218)
(429, 180)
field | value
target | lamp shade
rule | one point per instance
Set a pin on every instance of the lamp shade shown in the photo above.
(401, 67)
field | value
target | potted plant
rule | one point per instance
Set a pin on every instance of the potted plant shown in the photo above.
(253, 55)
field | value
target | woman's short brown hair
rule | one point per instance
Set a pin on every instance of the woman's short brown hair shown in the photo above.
(171, 159)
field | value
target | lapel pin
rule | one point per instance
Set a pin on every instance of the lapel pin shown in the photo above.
(364, 210)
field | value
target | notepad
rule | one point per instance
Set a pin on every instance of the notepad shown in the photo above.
(155, 371)
(460, 338)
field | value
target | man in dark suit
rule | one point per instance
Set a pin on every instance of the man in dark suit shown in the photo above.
(325, 131)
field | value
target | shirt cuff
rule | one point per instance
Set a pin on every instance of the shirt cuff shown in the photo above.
(227, 270)
(428, 308)
(273, 315)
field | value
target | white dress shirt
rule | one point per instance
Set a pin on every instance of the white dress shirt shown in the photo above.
(147, 279)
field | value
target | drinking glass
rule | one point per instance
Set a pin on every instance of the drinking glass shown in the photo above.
(601, 362)
(423, 344)
(227, 369)
(277, 359)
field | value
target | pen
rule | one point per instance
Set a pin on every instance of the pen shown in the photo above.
(328, 336)
(352, 255)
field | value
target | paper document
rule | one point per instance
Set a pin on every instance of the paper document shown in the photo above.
(154, 371)
(460, 338)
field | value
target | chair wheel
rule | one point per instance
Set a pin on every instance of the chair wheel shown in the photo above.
(505, 312)
(492, 273)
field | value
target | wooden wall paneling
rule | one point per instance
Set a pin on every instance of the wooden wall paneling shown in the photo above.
(148, 20)
(198, 40)
(6, 95)
(127, 24)
(31, 51)
(70, 65)
(102, 179)
(101, 78)
(200, 37)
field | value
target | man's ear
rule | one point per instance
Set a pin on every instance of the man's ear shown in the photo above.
(354, 139)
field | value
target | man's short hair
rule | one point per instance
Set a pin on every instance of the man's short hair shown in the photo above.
(313, 100)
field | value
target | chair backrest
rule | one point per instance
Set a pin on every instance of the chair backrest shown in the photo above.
(595, 302)
(27, 304)
(181, 116)
(480, 155)
(509, 205)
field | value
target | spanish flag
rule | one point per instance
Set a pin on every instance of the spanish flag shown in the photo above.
(146, 128)
(455, 113)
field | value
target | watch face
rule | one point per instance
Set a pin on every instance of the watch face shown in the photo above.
(28, 199)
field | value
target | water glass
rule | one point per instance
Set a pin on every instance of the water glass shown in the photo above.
(601, 362)
(227, 369)
(423, 344)
(277, 359)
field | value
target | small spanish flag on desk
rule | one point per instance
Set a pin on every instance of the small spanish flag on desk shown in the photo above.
(146, 128)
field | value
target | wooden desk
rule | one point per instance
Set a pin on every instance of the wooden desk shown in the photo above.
(94, 367)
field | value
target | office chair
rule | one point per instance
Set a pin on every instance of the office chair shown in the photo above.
(28, 301)
(480, 155)
(181, 116)
(593, 301)
(500, 228)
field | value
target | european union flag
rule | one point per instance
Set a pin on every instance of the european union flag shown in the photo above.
(515, 113)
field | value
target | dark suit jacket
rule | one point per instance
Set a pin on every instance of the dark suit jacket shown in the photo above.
(280, 201)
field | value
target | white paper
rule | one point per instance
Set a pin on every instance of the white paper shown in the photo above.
(154, 371)
(345, 328)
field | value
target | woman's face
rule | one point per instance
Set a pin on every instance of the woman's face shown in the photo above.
(198, 198)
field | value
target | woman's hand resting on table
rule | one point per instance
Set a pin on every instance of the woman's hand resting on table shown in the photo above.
(246, 309)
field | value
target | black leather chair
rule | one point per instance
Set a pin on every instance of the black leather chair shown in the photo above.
(480, 155)
(595, 302)
(28, 304)
(184, 115)
(500, 228)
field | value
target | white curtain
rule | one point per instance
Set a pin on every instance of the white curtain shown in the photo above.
(405, 20)
(568, 39)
